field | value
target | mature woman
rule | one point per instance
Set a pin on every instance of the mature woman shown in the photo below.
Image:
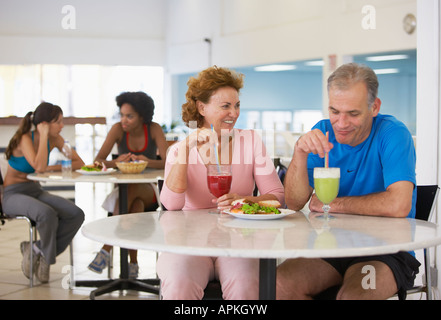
(137, 138)
(213, 100)
(57, 219)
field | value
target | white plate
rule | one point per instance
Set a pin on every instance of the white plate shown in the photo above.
(273, 216)
(256, 224)
(96, 173)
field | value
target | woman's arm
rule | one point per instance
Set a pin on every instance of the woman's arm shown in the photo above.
(112, 137)
(265, 177)
(171, 197)
(38, 160)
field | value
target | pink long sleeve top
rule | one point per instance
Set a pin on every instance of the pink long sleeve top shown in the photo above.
(250, 165)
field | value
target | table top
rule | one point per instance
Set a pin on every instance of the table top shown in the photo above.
(147, 176)
(298, 235)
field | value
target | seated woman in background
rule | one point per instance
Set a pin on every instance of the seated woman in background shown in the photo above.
(213, 100)
(137, 138)
(57, 219)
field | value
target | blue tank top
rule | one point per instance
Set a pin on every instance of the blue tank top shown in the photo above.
(21, 164)
(149, 149)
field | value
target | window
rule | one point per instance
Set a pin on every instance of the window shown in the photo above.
(80, 90)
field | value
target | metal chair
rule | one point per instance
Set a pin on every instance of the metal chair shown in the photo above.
(425, 206)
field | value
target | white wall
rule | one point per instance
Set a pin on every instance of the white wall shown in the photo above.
(249, 32)
(113, 32)
(429, 103)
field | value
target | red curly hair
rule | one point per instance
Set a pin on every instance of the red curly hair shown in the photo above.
(203, 87)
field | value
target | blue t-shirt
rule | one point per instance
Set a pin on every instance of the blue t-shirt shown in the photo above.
(385, 157)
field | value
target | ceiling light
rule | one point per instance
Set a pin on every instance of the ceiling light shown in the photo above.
(386, 71)
(275, 67)
(388, 57)
(316, 63)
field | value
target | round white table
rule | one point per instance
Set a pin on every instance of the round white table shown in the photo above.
(150, 176)
(298, 235)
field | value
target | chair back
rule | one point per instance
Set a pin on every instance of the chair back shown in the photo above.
(426, 201)
(160, 184)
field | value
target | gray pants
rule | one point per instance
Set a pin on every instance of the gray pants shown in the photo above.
(57, 219)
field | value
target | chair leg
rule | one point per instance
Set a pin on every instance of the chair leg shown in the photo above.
(428, 273)
(32, 239)
(110, 266)
(72, 270)
(31, 273)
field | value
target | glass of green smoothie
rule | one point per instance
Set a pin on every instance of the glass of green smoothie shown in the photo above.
(326, 182)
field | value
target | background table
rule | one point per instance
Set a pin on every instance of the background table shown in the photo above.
(147, 176)
(298, 235)
(150, 176)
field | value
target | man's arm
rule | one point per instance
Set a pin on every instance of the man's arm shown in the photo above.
(396, 202)
(297, 188)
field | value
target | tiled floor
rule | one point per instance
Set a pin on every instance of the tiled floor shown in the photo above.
(14, 285)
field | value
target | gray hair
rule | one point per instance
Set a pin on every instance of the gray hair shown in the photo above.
(351, 73)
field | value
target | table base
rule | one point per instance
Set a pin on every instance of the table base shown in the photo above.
(123, 283)
(267, 279)
(107, 286)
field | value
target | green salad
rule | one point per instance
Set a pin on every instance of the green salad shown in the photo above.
(88, 168)
(254, 208)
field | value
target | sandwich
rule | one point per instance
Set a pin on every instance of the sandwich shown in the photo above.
(96, 166)
(261, 207)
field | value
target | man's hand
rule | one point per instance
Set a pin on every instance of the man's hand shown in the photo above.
(314, 142)
(315, 205)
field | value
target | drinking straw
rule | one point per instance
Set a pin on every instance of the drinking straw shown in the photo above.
(215, 152)
(327, 153)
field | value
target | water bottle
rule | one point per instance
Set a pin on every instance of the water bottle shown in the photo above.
(66, 161)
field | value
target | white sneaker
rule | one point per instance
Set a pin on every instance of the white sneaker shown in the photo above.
(100, 262)
(43, 270)
(25, 248)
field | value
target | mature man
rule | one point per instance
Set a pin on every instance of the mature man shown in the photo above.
(376, 157)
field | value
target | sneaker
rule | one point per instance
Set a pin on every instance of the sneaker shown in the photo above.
(133, 270)
(25, 248)
(43, 269)
(100, 262)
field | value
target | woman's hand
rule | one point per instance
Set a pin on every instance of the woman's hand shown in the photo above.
(224, 202)
(43, 129)
(124, 157)
(139, 157)
(205, 140)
